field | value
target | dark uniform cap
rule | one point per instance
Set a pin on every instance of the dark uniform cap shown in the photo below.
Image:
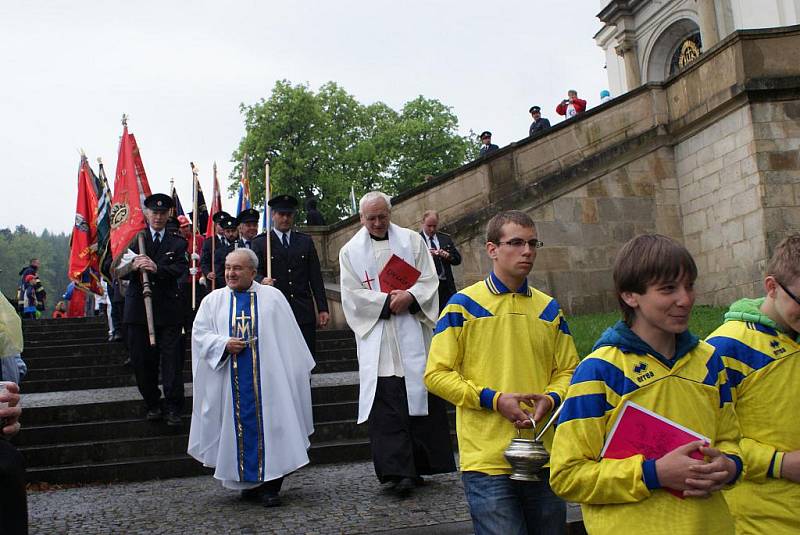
(228, 222)
(246, 216)
(535, 108)
(486, 133)
(159, 201)
(283, 203)
(220, 215)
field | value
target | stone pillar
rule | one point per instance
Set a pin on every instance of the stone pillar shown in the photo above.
(627, 50)
(707, 13)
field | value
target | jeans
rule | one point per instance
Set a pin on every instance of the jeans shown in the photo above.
(501, 506)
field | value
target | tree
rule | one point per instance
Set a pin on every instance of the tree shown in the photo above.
(323, 143)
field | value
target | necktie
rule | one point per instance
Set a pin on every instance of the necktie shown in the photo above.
(157, 239)
(247, 244)
(437, 262)
(285, 241)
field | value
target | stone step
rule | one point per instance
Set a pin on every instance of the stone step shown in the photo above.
(72, 322)
(132, 469)
(54, 335)
(331, 402)
(51, 380)
(36, 359)
(177, 465)
(74, 348)
(37, 436)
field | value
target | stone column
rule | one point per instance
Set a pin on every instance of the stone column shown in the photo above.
(633, 76)
(707, 13)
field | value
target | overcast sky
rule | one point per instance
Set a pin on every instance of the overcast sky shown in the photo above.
(180, 70)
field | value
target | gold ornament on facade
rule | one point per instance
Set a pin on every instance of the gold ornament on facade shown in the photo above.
(689, 52)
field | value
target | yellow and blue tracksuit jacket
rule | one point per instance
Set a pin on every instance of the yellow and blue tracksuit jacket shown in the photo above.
(488, 340)
(624, 495)
(763, 367)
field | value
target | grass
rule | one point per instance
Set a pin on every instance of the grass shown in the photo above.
(586, 328)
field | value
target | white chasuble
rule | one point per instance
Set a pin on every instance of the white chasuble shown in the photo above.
(399, 345)
(251, 412)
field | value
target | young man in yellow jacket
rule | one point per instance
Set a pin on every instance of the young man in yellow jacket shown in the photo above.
(650, 359)
(760, 347)
(500, 343)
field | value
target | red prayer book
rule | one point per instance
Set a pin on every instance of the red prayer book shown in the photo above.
(641, 431)
(397, 274)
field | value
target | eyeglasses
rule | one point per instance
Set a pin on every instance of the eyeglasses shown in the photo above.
(519, 242)
(790, 294)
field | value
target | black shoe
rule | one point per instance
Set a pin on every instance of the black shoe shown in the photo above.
(117, 338)
(404, 486)
(270, 500)
(252, 495)
(173, 419)
(153, 415)
(418, 481)
(127, 362)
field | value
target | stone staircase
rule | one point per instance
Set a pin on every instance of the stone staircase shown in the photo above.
(83, 418)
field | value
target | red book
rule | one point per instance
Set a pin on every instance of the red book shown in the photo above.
(641, 431)
(397, 274)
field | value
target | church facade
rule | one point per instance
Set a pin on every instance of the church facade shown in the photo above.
(651, 40)
(709, 155)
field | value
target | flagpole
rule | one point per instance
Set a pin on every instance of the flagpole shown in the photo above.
(214, 234)
(194, 231)
(174, 210)
(268, 216)
(147, 294)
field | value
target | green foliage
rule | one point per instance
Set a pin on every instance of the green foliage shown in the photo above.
(17, 247)
(325, 142)
(587, 328)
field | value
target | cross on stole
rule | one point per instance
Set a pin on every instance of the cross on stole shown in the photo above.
(367, 280)
(243, 328)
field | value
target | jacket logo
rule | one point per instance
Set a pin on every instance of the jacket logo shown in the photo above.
(643, 374)
(776, 348)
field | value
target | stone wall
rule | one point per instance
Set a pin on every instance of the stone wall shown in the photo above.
(709, 157)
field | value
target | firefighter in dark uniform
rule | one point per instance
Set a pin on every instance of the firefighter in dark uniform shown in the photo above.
(295, 269)
(165, 260)
(224, 242)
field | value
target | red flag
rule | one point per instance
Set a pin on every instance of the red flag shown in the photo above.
(77, 305)
(83, 258)
(130, 189)
(216, 206)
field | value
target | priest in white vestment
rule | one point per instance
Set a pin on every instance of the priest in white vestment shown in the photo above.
(251, 413)
(408, 427)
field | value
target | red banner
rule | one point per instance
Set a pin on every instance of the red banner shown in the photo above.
(83, 243)
(77, 305)
(130, 189)
(216, 206)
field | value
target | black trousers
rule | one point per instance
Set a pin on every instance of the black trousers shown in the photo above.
(309, 331)
(168, 354)
(403, 445)
(13, 498)
(117, 310)
(445, 293)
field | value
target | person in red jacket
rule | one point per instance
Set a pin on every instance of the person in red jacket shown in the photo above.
(572, 105)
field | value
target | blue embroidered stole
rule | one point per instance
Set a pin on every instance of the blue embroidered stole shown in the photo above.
(246, 388)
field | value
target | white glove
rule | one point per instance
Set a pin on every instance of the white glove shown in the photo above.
(192, 271)
(195, 256)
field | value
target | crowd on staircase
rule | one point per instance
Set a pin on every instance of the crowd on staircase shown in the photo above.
(499, 350)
